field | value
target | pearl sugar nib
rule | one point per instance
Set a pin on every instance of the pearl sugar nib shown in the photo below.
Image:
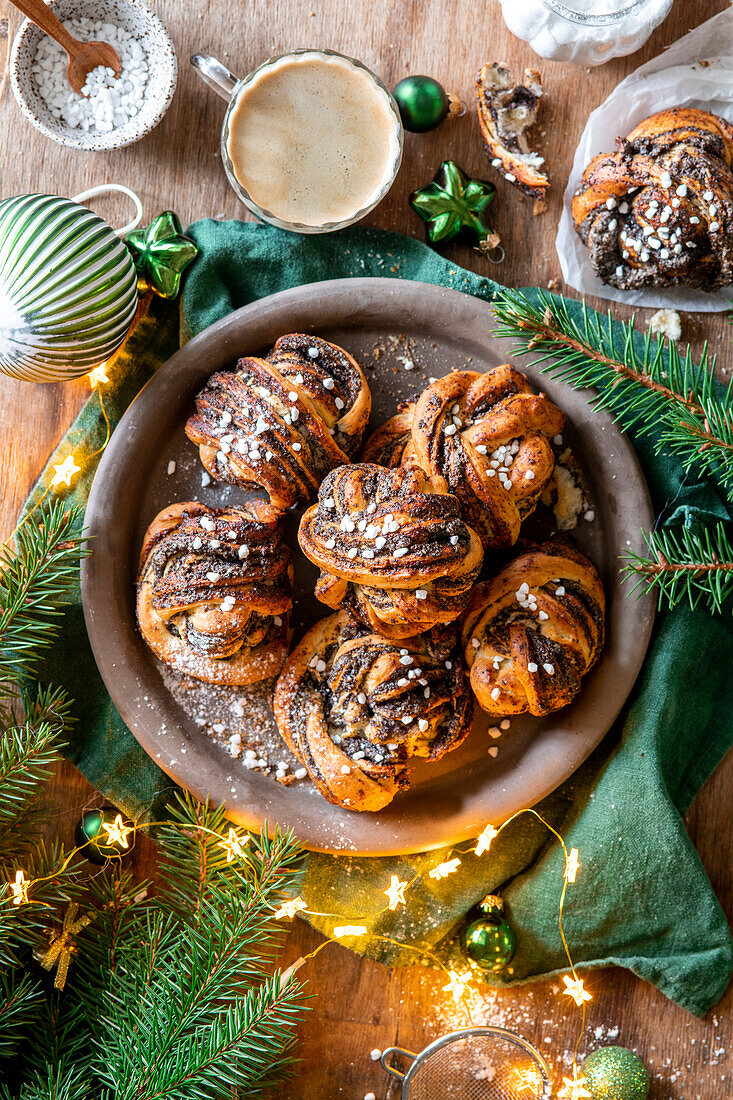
(106, 102)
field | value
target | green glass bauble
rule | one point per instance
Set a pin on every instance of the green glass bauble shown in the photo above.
(91, 837)
(423, 103)
(68, 289)
(489, 940)
(615, 1073)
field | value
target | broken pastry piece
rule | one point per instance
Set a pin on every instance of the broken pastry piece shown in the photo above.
(505, 112)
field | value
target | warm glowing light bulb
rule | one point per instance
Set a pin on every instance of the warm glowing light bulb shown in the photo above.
(446, 868)
(64, 472)
(117, 832)
(574, 988)
(571, 865)
(484, 841)
(290, 908)
(527, 1080)
(19, 888)
(349, 930)
(234, 845)
(457, 984)
(99, 374)
(396, 892)
(573, 1088)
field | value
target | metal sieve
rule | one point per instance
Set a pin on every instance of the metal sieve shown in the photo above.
(479, 1063)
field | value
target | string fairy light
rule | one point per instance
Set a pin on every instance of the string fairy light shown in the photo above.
(290, 908)
(234, 845)
(573, 1088)
(484, 841)
(19, 888)
(446, 868)
(64, 472)
(117, 832)
(527, 1080)
(571, 865)
(396, 892)
(574, 988)
(457, 984)
(98, 375)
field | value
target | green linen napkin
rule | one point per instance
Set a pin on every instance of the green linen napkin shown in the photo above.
(642, 899)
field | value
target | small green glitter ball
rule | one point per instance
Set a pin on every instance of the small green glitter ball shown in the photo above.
(615, 1073)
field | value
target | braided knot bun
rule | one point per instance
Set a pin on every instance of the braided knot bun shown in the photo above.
(392, 548)
(355, 707)
(533, 630)
(215, 591)
(483, 437)
(659, 211)
(281, 423)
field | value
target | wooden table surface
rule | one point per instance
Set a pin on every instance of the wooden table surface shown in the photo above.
(361, 1005)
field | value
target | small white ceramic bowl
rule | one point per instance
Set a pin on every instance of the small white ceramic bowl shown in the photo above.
(162, 64)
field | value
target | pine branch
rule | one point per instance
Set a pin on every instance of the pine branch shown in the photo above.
(20, 1000)
(26, 754)
(683, 565)
(35, 584)
(655, 390)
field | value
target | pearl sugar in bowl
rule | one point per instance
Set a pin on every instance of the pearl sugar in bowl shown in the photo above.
(112, 112)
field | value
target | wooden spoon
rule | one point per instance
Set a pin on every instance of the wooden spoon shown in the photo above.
(83, 56)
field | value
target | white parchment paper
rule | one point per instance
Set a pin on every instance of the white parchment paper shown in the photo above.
(673, 79)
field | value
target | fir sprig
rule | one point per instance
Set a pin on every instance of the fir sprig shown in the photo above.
(658, 390)
(35, 583)
(685, 565)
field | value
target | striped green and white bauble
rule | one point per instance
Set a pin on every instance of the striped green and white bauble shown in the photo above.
(68, 289)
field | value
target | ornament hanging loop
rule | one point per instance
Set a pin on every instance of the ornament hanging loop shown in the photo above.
(457, 108)
(107, 188)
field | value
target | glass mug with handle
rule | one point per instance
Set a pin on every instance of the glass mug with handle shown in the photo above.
(311, 140)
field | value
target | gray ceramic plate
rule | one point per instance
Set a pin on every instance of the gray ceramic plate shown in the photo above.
(403, 332)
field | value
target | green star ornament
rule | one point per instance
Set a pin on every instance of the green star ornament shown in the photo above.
(161, 253)
(454, 205)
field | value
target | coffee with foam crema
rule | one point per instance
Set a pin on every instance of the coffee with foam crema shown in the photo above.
(313, 139)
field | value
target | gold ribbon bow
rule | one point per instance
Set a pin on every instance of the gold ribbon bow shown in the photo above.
(62, 944)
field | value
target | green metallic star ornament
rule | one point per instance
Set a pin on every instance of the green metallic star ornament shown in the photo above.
(615, 1073)
(454, 205)
(161, 253)
(489, 940)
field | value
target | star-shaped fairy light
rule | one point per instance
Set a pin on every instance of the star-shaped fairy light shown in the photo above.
(574, 988)
(571, 865)
(446, 868)
(117, 832)
(19, 888)
(527, 1080)
(98, 375)
(396, 892)
(454, 205)
(342, 930)
(290, 908)
(457, 984)
(64, 472)
(234, 845)
(484, 841)
(573, 1088)
(161, 254)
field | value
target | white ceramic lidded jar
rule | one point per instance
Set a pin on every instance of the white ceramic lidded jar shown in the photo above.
(586, 32)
